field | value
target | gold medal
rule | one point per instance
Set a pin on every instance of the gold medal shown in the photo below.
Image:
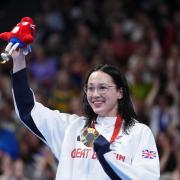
(88, 136)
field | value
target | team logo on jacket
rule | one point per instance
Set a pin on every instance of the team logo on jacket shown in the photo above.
(85, 153)
(148, 154)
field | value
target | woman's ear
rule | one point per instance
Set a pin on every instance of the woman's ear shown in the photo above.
(120, 93)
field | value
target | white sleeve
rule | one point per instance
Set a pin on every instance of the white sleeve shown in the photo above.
(52, 124)
(142, 167)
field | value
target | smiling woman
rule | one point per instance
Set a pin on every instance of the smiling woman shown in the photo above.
(112, 93)
(108, 143)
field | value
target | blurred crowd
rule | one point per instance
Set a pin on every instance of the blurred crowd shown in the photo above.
(141, 37)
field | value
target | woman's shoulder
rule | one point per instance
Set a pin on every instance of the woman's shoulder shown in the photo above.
(140, 127)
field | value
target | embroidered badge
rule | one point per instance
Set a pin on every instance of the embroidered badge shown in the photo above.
(148, 154)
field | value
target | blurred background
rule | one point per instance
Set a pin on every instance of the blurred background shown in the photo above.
(141, 37)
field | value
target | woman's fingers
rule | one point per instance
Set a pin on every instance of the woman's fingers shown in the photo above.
(14, 47)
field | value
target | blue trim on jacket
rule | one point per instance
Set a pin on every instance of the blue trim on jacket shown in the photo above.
(101, 146)
(24, 99)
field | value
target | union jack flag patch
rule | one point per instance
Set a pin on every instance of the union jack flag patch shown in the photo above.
(148, 154)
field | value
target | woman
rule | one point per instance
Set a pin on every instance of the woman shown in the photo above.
(107, 144)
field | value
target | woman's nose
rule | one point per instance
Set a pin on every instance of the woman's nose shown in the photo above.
(96, 92)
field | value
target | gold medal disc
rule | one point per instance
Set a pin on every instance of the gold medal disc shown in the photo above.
(88, 136)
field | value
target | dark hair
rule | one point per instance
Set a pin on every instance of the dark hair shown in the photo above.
(125, 107)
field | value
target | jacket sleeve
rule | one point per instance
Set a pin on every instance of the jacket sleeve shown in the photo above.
(145, 164)
(49, 125)
(24, 100)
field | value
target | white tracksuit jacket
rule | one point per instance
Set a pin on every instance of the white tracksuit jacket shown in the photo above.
(132, 156)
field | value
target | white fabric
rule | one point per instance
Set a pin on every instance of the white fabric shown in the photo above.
(78, 162)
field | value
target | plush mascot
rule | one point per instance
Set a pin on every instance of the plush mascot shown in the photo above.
(21, 36)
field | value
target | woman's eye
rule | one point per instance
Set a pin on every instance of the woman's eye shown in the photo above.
(90, 88)
(103, 87)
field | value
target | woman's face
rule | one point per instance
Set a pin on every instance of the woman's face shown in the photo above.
(102, 94)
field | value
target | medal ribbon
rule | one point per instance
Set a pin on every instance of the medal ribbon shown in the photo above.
(116, 130)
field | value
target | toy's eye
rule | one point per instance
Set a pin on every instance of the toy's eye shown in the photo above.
(25, 23)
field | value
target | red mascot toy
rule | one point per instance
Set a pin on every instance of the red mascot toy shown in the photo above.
(21, 36)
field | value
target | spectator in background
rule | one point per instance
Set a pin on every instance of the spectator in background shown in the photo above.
(19, 170)
(63, 92)
(8, 143)
(6, 170)
(76, 106)
(166, 153)
(118, 43)
(164, 117)
(45, 165)
(43, 68)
